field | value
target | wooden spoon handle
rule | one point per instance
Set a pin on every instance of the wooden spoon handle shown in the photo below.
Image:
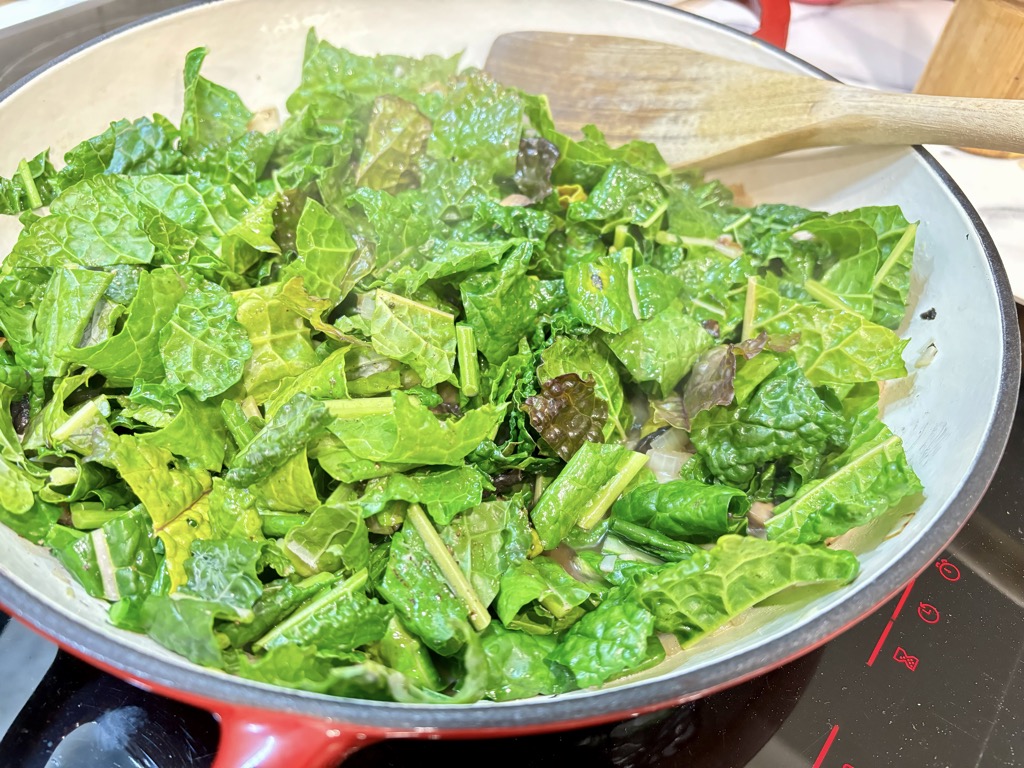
(860, 116)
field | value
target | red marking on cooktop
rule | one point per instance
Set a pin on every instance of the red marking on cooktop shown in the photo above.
(904, 658)
(827, 746)
(880, 643)
(929, 613)
(903, 599)
(947, 570)
(888, 627)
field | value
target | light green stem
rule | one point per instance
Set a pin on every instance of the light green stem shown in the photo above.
(87, 515)
(478, 615)
(86, 416)
(237, 423)
(749, 309)
(824, 296)
(469, 363)
(31, 191)
(359, 407)
(894, 255)
(609, 492)
(350, 586)
(277, 524)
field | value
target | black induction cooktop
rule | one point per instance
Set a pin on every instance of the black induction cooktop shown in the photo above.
(932, 679)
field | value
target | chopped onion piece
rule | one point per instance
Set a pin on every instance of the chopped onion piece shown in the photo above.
(759, 514)
(666, 465)
(672, 440)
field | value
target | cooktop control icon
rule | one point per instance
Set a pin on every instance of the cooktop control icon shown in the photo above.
(947, 570)
(904, 658)
(928, 613)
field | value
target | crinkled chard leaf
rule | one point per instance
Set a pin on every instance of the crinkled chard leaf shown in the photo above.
(396, 137)
(661, 350)
(326, 251)
(338, 81)
(215, 135)
(134, 352)
(624, 195)
(486, 541)
(407, 432)
(281, 344)
(599, 292)
(294, 295)
(871, 476)
(483, 122)
(187, 427)
(175, 496)
(414, 584)
(333, 538)
(93, 224)
(224, 573)
(278, 600)
(289, 488)
(142, 146)
(835, 347)
(584, 161)
(444, 494)
(292, 428)
(66, 308)
(326, 381)
(546, 583)
(684, 509)
(403, 651)
(890, 285)
(520, 667)
(138, 147)
(446, 260)
(501, 304)
(694, 597)
(785, 419)
(415, 334)
(233, 513)
(567, 413)
(128, 563)
(335, 621)
(608, 641)
(203, 347)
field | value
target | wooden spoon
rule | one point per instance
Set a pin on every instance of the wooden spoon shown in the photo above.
(705, 111)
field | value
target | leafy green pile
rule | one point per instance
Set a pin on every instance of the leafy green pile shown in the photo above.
(364, 404)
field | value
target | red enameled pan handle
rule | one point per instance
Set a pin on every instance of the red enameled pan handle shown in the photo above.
(256, 738)
(774, 27)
